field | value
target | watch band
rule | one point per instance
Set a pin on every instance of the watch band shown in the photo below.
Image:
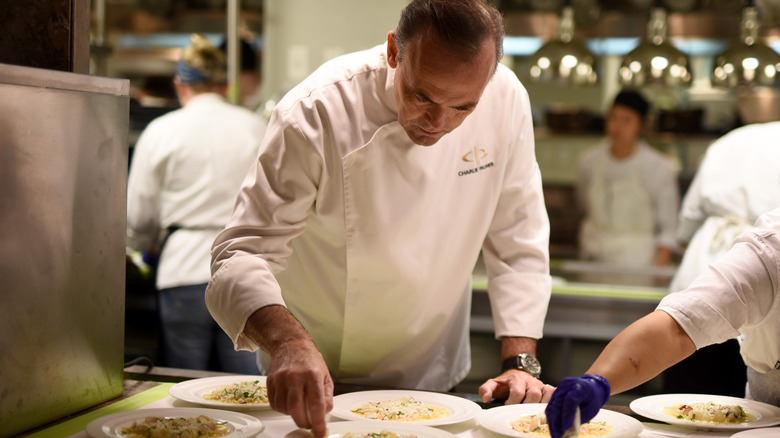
(516, 363)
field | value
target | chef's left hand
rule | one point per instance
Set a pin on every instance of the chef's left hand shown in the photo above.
(516, 387)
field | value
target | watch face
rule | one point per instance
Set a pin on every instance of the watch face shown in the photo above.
(531, 364)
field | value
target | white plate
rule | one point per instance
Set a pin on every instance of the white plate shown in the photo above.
(192, 391)
(770, 432)
(244, 426)
(498, 420)
(653, 407)
(461, 409)
(340, 428)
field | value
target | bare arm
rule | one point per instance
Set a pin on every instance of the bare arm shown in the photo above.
(642, 351)
(299, 383)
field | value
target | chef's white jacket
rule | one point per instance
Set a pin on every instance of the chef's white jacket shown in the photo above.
(187, 168)
(738, 292)
(738, 180)
(655, 175)
(370, 240)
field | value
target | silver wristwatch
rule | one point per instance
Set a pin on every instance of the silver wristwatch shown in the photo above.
(524, 362)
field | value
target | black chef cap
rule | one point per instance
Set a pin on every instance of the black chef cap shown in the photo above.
(634, 100)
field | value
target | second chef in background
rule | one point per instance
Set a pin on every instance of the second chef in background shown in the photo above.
(628, 192)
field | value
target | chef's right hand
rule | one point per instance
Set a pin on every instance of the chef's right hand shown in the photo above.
(300, 385)
(588, 393)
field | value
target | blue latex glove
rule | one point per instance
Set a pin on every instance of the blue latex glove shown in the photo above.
(589, 392)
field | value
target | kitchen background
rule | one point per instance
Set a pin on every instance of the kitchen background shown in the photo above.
(140, 40)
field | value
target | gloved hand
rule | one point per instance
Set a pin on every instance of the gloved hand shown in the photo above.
(589, 392)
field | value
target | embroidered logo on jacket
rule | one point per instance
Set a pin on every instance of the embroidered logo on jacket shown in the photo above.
(478, 158)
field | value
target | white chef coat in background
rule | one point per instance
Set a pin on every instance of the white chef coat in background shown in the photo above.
(370, 240)
(739, 292)
(738, 180)
(187, 176)
(630, 204)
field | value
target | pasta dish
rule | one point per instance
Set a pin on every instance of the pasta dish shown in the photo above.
(242, 393)
(536, 424)
(176, 427)
(401, 409)
(707, 412)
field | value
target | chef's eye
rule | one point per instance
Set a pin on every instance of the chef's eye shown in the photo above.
(422, 99)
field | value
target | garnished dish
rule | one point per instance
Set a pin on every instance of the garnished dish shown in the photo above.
(176, 427)
(242, 393)
(536, 424)
(528, 421)
(175, 423)
(237, 393)
(401, 409)
(404, 407)
(709, 412)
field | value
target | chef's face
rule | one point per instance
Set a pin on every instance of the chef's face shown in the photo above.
(624, 125)
(434, 89)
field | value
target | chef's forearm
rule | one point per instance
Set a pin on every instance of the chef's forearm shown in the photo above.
(273, 327)
(514, 345)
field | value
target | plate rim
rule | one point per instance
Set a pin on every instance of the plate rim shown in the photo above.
(634, 426)
(403, 427)
(95, 428)
(472, 409)
(638, 407)
(181, 391)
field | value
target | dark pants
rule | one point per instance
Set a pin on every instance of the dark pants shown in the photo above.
(191, 338)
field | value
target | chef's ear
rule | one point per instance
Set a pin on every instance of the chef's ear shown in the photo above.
(392, 50)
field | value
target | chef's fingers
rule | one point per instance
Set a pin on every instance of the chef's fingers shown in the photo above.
(490, 389)
(319, 401)
(533, 393)
(547, 393)
(277, 394)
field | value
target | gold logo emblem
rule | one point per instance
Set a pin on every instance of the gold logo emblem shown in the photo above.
(475, 155)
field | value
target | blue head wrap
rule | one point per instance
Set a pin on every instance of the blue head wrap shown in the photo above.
(190, 75)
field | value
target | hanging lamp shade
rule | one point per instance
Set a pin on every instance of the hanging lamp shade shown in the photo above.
(747, 61)
(564, 59)
(655, 61)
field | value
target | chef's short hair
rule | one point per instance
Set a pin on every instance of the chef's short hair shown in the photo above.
(462, 24)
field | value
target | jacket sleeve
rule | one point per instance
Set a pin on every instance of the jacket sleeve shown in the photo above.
(516, 249)
(144, 185)
(272, 207)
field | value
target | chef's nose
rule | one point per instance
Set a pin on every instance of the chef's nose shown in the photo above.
(436, 116)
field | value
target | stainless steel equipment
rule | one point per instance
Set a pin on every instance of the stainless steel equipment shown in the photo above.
(63, 167)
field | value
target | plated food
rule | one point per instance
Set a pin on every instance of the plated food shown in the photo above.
(529, 421)
(247, 392)
(705, 411)
(536, 424)
(175, 422)
(182, 427)
(401, 409)
(709, 412)
(399, 406)
(241, 393)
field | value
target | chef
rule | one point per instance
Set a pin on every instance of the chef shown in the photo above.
(737, 181)
(628, 192)
(736, 296)
(380, 179)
